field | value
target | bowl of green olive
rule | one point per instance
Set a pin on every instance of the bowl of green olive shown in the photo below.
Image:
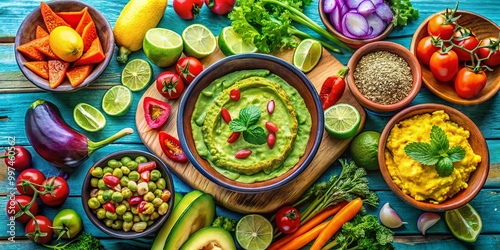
(128, 194)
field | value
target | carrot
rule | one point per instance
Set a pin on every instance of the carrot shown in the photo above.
(323, 215)
(78, 74)
(89, 34)
(40, 32)
(305, 238)
(50, 18)
(94, 54)
(72, 17)
(86, 19)
(29, 49)
(38, 67)
(44, 47)
(57, 72)
(344, 215)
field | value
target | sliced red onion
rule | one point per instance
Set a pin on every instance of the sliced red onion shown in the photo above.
(343, 9)
(384, 11)
(335, 19)
(377, 25)
(375, 2)
(353, 4)
(329, 5)
(355, 24)
(366, 7)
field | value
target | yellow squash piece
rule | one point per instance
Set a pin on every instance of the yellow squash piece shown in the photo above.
(136, 18)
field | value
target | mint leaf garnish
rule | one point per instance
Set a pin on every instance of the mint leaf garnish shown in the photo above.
(237, 125)
(422, 152)
(444, 166)
(439, 141)
(255, 135)
(456, 153)
(248, 117)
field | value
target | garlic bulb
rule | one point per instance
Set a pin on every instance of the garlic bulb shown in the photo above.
(427, 220)
(389, 217)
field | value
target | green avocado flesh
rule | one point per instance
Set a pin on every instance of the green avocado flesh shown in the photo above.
(210, 238)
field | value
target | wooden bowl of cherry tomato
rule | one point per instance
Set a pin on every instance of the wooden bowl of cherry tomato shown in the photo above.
(451, 80)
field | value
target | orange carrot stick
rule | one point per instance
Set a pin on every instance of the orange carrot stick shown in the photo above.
(344, 215)
(316, 220)
(305, 238)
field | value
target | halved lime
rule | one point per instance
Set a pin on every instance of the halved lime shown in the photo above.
(306, 56)
(117, 100)
(198, 40)
(163, 47)
(231, 43)
(137, 74)
(88, 117)
(342, 120)
(464, 223)
(254, 232)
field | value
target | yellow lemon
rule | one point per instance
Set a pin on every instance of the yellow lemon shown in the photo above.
(66, 43)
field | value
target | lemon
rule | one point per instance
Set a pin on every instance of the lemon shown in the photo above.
(364, 149)
(117, 100)
(198, 40)
(464, 223)
(137, 74)
(254, 232)
(307, 55)
(163, 47)
(66, 43)
(231, 43)
(88, 117)
(342, 120)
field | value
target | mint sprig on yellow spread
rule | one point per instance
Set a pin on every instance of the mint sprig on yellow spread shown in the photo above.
(437, 152)
(246, 123)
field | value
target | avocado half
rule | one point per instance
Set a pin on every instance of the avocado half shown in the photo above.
(210, 238)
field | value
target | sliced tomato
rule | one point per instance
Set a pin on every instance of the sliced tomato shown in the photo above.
(156, 112)
(171, 147)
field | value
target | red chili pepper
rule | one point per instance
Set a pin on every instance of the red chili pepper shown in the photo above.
(271, 140)
(244, 153)
(111, 181)
(333, 88)
(141, 206)
(272, 127)
(145, 176)
(233, 137)
(134, 200)
(150, 165)
(225, 115)
(234, 94)
(108, 206)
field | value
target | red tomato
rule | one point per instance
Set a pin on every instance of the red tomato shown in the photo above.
(188, 68)
(444, 66)
(494, 59)
(187, 9)
(288, 219)
(169, 84)
(44, 225)
(29, 175)
(13, 207)
(171, 147)
(439, 25)
(425, 49)
(156, 112)
(220, 7)
(469, 83)
(333, 88)
(235, 94)
(17, 157)
(464, 37)
(58, 191)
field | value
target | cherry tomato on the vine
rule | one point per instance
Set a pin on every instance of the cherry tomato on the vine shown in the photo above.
(494, 59)
(468, 83)
(17, 157)
(288, 219)
(29, 175)
(425, 49)
(187, 9)
(444, 65)
(45, 226)
(220, 7)
(13, 207)
(58, 191)
(188, 68)
(169, 84)
(463, 37)
(439, 25)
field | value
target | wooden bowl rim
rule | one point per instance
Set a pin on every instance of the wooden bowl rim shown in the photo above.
(461, 101)
(481, 170)
(271, 184)
(96, 71)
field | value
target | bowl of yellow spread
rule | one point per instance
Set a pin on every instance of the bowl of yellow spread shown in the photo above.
(433, 157)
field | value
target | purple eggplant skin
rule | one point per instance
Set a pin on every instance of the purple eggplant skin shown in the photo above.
(52, 138)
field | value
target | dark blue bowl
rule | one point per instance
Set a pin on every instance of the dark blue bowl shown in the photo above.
(275, 65)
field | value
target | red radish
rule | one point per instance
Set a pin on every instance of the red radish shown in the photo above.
(233, 137)
(225, 115)
(272, 127)
(270, 107)
(271, 140)
(234, 94)
(244, 153)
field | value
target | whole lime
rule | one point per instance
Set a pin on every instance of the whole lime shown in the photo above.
(364, 149)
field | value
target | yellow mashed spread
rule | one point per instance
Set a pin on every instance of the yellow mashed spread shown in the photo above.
(423, 182)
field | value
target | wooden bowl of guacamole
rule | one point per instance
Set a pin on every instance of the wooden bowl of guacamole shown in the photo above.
(250, 123)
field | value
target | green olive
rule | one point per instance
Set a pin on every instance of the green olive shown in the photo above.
(117, 224)
(155, 175)
(125, 170)
(121, 209)
(139, 226)
(132, 185)
(127, 225)
(144, 217)
(118, 172)
(157, 201)
(101, 185)
(107, 195)
(134, 176)
(151, 186)
(134, 209)
(126, 192)
(94, 182)
(107, 170)
(93, 203)
(117, 197)
(141, 159)
(128, 216)
(124, 160)
(154, 216)
(124, 181)
(101, 213)
(108, 222)
(97, 172)
(149, 196)
(111, 216)
(114, 164)
(101, 199)
(158, 192)
(132, 165)
(161, 184)
(136, 218)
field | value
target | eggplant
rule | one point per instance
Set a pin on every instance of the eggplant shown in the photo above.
(55, 141)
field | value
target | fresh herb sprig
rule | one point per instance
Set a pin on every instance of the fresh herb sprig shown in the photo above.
(437, 152)
(403, 12)
(246, 123)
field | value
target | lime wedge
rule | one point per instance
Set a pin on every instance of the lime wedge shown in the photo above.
(231, 43)
(254, 232)
(88, 117)
(117, 100)
(306, 56)
(342, 120)
(199, 41)
(163, 47)
(464, 223)
(137, 74)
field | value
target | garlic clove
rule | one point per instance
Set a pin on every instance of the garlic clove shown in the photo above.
(427, 220)
(389, 217)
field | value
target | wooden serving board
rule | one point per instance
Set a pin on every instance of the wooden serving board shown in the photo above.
(329, 150)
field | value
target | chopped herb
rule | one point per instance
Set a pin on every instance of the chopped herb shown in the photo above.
(245, 123)
(437, 152)
(403, 12)
(226, 223)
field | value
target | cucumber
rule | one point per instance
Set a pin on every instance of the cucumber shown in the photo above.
(210, 236)
(198, 215)
(179, 208)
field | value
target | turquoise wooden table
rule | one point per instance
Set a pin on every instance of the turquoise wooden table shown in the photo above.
(16, 94)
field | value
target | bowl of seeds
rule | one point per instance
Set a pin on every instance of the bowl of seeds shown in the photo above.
(384, 77)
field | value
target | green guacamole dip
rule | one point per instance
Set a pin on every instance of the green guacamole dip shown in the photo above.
(257, 88)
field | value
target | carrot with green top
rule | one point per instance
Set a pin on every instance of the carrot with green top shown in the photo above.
(305, 238)
(344, 215)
